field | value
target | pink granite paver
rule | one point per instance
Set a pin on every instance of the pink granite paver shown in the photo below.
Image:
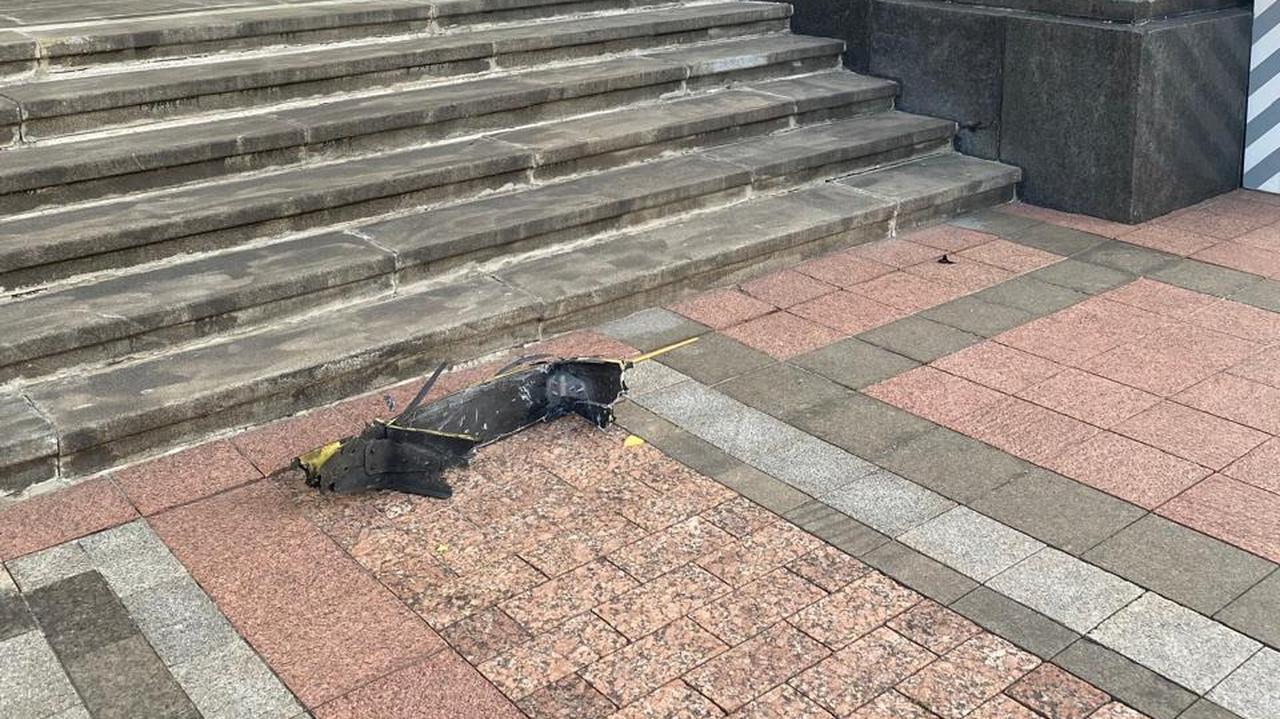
(783, 335)
(442, 686)
(188, 475)
(321, 622)
(1130, 470)
(722, 308)
(998, 366)
(931, 393)
(1241, 514)
(60, 516)
(785, 288)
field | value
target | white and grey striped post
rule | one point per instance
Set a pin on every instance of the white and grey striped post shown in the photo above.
(1262, 133)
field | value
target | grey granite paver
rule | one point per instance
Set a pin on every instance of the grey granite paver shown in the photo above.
(887, 502)
(784, 391)
(15, 618)
(1205, 709)
(1058, 511)
(1037, 297)
(1179, 563)
(1180, 644)
(1128, 258)
(232, 682)
(1082, 276)
(975, 316)
(809, 464)
(715, 358)
(1057, 239)
(854, 363)
(1254, 612)
(836, 528)
(80, 615)
(1260, 293)
(32, 683)
(1020, 624)
(995, 222)
(861, 424)
(952, 464)
(653, 328)
(179, 620)
(919, 339)
(50, 565)
(651, 376)
(1125, 680)
(975, 545)
(1065, 589)
(674, 441)
(127, 679)
(768, 492)
(1208, 278)
(933, 579)
(131, 557)
(1253, 690)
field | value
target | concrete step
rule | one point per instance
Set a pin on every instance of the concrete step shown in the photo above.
(105, 165)
(105, 414)
(149, 308)
(78, 103)
(42, 48)
(42, 247)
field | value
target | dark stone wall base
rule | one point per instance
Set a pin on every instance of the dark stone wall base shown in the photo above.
(1125, 121)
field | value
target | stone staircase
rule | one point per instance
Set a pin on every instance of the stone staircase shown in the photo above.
(218, 218)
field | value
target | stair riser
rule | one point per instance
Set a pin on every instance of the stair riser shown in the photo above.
(167, 241)
(766, 72)
(357, 78)
(68, 350)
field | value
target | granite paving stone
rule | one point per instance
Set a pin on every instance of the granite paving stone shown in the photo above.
(569, 594)
(844, 269)
(907, 291)
(651, 376)
(179, 620)
(933, 626)
(754, 667)
(968, 675)
(1057, 694)
(1208, 278)
(643, 666)
(739, 516)
(1125, 680)
(976, 316)
(1002, 707)
(854, 363)
(782, 335)
(1085, 277)
(927, 576)
(1064, 513)
(1249, 403)
(971, 543)
(859, 424)
(659, 553)
(754, 607)
(1253, 612)
(722, 308)
(131, 558)
(1065, 589)
(859, 608)
(1181, 564)
(783, 702)
(919, 339)
(1089, 398)
(483, 636)
(651, 606)
(15, 618)
(961, 271)
(898, 252)
(32, 682)
(1253, 690)
(1161, 298)
(829, 568)
(50, 519)
(1128, 469)
(856, 674)
(552, 656)
(1024, 429)
(673, 699)
(232, 681)
(1254, 291)
(714, 358)
(80, 615)
(846, 312)
(571, 696)
(743, 560)
(892, 705)
(1033, 296)
(1189, 433)
(999, 367)
(652, 329)
(887, 502)
(782, 390)
(440, 686)
(935, 395)
(1127, 258)
(835, 528)
(1020, 624)
(766, 491)
(50, 565)
(997, 221)
(1010, 256)
(126, 678)
(970, 468)
(1180, 644)
(1235, 512)
(1205, 709)
(786, 288)
(184, 476)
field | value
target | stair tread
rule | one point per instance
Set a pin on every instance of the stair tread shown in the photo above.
(98, 406)
(191, 289)
(62, 234)
(47, 165)
(83, 93)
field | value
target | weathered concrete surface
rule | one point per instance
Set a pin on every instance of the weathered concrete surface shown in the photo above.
(27, 444)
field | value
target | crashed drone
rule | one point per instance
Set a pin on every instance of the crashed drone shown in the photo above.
(410, 452)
